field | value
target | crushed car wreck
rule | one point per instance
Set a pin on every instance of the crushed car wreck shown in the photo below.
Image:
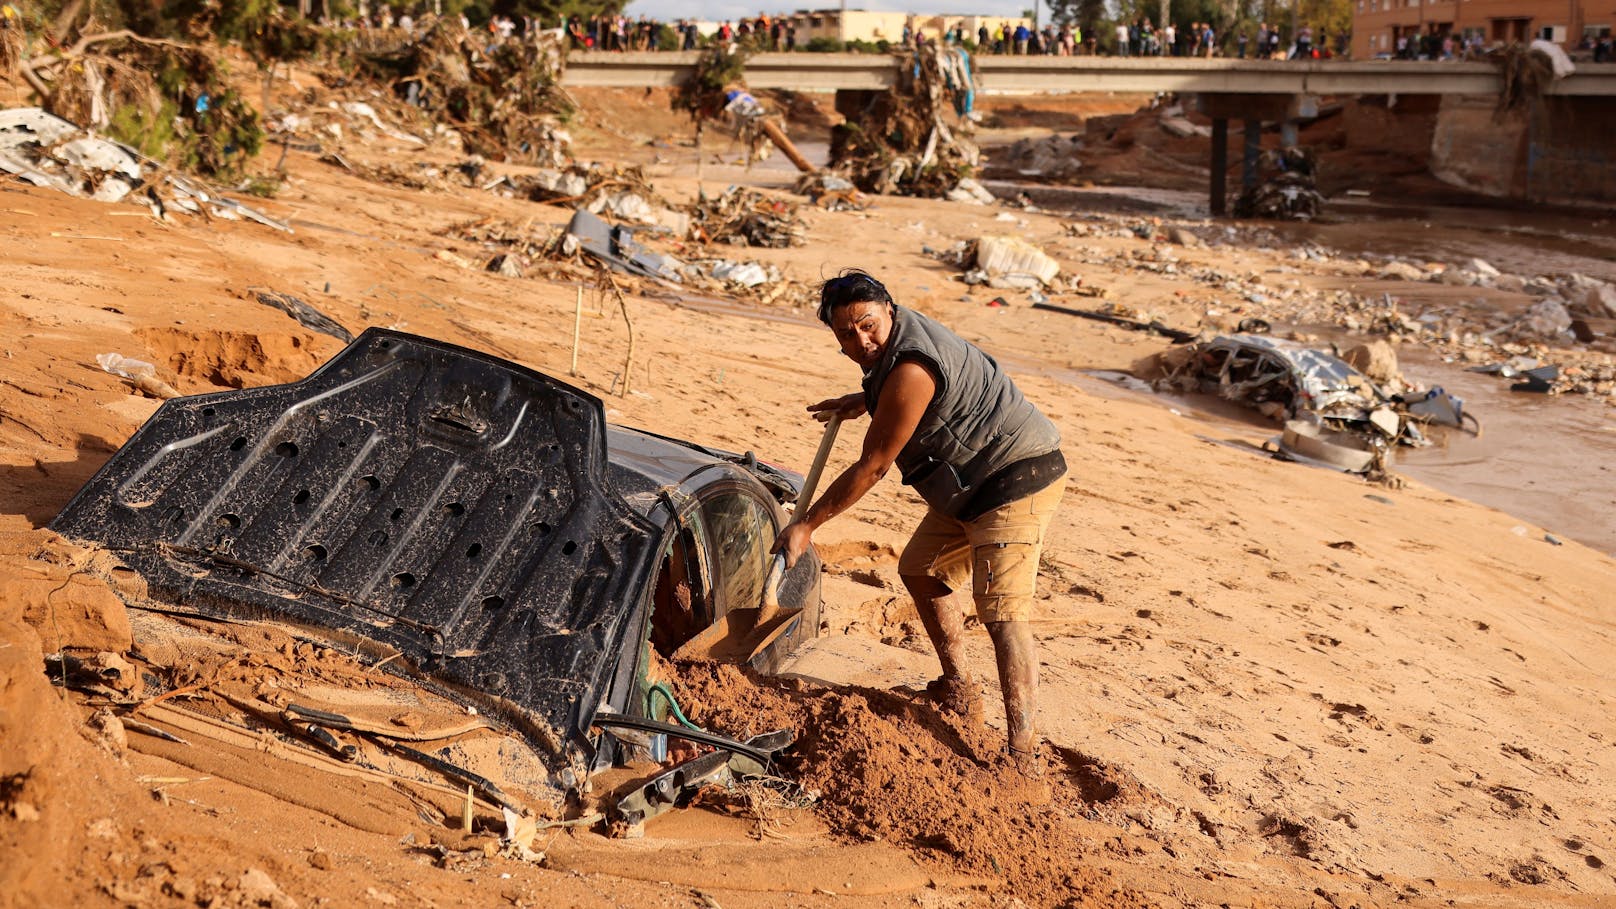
(475, 526)
(1333, 414)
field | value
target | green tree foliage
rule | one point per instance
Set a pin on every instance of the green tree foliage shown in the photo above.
(269, 32)
(1085, 14)
(1328, 17)
(548, 12)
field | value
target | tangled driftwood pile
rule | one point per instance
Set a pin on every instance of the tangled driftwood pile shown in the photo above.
(1527, 71)
(746, 217)
(167, 99)
(901, 142)
(503, 97)
(705, 93)
(621, 191)
(518, 250)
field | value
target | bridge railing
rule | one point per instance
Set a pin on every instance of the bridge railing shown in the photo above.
(830, 72)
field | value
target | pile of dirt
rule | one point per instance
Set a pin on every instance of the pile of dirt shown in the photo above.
(891, 767)
(1154, 146)
(1053, 158)
(49, 603)
(236, 359)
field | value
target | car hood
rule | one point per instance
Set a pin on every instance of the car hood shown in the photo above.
(430, 504)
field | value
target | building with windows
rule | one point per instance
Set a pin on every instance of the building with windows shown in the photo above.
(1379, 26)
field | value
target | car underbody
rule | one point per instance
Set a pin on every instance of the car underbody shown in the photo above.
(468, 523)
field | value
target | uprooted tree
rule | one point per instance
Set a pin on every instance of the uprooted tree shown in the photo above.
(503, 99)
(716, 90)
(706, 94)
(901, 142)
(151, 78)
(167, 99)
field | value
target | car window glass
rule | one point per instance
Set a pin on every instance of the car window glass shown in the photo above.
(739, 532)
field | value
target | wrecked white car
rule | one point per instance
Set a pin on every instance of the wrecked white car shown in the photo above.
(473, 525)
(1333, 414)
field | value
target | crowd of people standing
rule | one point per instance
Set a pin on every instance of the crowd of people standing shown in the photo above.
(764, 33)
(1138, 38)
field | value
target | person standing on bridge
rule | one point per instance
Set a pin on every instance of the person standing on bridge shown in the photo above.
(988, 465)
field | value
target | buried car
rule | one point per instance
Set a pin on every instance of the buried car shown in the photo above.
(1333, 414)
(470, 523)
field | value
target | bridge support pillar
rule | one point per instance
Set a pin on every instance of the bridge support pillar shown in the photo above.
(1251, 132)
(1252, 109)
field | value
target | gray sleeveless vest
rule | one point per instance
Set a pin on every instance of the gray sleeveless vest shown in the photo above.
(976, 424)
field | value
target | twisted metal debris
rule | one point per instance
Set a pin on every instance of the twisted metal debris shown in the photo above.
(1287, 191)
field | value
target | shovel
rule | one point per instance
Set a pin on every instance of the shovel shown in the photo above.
(810, 485)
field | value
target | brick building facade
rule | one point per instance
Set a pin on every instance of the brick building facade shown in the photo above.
(1378, 24)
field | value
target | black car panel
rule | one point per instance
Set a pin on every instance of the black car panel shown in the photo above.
(427, 498)
(465, 519)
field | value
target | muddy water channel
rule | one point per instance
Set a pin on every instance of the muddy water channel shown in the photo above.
(1547, 460)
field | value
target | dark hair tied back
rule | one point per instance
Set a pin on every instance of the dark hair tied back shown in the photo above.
(851, 286)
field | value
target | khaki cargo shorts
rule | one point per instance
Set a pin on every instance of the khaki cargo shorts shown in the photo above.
(996, 554)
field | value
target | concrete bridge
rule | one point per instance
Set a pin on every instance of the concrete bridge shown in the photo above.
(1568, 146)
(996, 73)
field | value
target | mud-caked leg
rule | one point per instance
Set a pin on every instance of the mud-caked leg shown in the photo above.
(944, 622)
(1018, 678)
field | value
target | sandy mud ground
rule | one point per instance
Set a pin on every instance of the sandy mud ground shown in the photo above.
(1263, 684)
